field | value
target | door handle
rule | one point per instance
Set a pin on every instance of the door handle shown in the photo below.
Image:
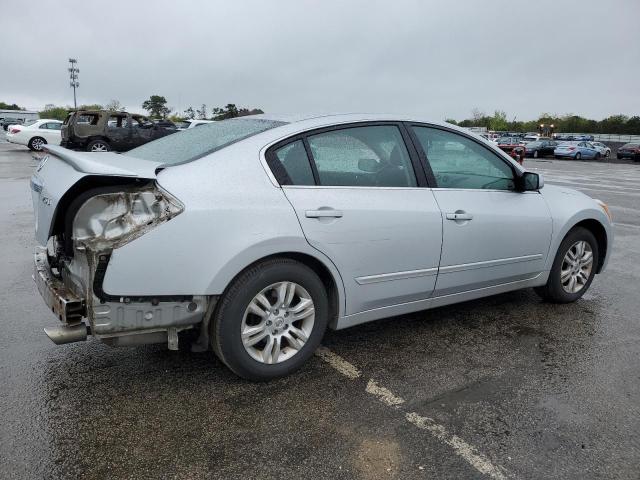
(459, 216)
(328, 213)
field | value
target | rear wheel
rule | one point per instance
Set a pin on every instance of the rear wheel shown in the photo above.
(573, 268)
(535, 154)
(607, 153)
(98, 146)
(36, 143)
(270, 319)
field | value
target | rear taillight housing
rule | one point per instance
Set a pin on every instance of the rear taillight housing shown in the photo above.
(14, 130)
(571, 148)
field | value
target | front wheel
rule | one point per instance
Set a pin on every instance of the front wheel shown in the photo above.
(270, 319)
(573, 268)
(598, 156)
(535, 154)
(578, 156)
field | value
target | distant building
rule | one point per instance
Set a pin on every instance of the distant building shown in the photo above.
(24, 115)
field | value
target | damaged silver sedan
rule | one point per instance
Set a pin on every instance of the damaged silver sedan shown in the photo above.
(258, 233)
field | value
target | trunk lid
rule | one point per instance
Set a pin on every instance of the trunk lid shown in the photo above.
(60, 169)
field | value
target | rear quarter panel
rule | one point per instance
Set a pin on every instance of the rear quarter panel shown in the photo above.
(233, 216)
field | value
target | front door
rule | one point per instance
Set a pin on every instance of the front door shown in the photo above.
(360, 204)
(492, 234)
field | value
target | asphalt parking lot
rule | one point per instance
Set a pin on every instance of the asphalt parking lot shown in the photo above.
(504, 387)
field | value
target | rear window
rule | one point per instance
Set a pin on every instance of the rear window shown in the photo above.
(194, 143)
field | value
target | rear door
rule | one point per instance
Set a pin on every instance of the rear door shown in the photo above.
(492, 234)
(361, 199)
(118, 132)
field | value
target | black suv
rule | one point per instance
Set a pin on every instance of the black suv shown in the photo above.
(102, 131)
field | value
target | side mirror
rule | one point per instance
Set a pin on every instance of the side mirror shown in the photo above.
(531, 181)
(369, 165)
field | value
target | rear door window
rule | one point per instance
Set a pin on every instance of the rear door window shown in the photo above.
(368, 156)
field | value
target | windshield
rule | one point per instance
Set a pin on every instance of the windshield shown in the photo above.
(194, 143)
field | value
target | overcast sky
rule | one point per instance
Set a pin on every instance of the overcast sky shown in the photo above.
(436, 58)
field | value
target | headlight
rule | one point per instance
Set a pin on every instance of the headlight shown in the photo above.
(605, 208)
(110, 220)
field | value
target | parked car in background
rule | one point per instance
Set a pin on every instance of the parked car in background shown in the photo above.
(514, 147)
(531, 138)
(602, 148)
(36, 133)
(630, 150)
(102, 131)
(243, 231)
(540, 148)
(185, 124)
(5, 122)
(576, 150)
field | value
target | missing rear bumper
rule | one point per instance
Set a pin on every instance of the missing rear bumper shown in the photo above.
(63, 302)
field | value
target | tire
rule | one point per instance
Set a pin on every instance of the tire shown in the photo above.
(36, 143)
(554, 291)
(578, 156)
(98, 146)
(618, 156)
(535, 154)
(233, 315)
(607, 153)
(598, 156)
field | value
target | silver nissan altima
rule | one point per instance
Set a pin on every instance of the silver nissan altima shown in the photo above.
(258, 233)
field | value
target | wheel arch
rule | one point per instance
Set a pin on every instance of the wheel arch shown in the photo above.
(325, 270)
(598, 230)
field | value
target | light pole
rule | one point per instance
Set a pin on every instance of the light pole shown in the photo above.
(73, 79)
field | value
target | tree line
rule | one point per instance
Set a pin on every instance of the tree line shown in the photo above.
(569, 123)
(156, 106)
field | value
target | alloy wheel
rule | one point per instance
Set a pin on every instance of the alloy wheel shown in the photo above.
(37, 143)
(99, 147)
(576, 267)
(277, 322)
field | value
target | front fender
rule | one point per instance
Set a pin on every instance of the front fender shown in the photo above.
(568, 208)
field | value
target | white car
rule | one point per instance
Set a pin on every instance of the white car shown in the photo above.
(602, 148)
(185, 124)
(260, 232)
(36, 133)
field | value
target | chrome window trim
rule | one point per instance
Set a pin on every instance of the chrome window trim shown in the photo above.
(387, 277)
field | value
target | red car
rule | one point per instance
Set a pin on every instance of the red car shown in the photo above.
(514, 146)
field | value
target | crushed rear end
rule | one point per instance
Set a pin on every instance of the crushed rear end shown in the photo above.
(86, 205)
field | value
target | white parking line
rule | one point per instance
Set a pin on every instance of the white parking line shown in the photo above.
(337, 362)
(464, 450)
(385, 396)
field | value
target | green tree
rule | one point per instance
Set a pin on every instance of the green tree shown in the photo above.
(156, 106)
(232, 111)
(190, 113)
(114, 106)
(53, 112)
(498, 121)
(6, 106)
(202, 112)
(451, 121)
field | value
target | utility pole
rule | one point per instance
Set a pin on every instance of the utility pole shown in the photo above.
(73, 77)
